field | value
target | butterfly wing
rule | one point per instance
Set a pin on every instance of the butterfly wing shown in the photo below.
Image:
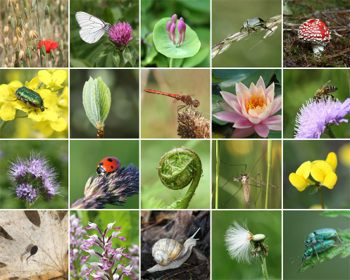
(92, 28)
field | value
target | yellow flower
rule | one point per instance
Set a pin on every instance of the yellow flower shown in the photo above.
(324, 171)
(52, 78)
(300, 179)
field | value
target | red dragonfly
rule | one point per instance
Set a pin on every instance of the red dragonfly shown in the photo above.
(187, 99)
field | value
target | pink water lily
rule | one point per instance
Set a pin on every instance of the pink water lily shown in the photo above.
(251, 110)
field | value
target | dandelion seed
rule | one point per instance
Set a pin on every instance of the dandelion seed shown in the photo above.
(238, 242)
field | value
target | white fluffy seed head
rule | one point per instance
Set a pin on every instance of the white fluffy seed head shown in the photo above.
(238, 242)
(258, 237)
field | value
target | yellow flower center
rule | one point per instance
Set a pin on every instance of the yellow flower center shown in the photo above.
(256, 101)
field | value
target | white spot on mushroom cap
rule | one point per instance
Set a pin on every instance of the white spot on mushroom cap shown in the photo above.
(314, 31)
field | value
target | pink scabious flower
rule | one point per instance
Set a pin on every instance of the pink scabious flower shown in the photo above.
(121, 33)
(251, 110)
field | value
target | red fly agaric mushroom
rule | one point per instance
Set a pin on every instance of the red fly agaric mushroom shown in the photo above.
(314, 31)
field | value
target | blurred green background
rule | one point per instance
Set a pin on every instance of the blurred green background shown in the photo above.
(265, 222)
(111, 11)
(226, 79)
(154, 193)
(296, 227)
(123, 117)
(296, 153)
(229, 16)
(57, 154)
(84, 157)
(127, 220)
(300, 85)
(246, 152)
(159, 113)
(196, 14)
(21, 127)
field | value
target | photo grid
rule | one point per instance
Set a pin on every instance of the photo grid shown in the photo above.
(174, 139)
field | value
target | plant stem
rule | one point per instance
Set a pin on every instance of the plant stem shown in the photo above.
(171, 62)
(2, 124)
(264, 268)
(321, 198)
(28, 204)
(217, 175)
(269, 159)
(331, 133)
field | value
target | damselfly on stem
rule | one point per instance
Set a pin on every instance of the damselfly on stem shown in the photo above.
(246, 182)
(187, 99)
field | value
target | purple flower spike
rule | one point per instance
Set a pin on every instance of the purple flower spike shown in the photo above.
(172, 31)
(120, 33)
(33, 177)
(174, 18)
(168, 29)
(181, 31)
(184, 29)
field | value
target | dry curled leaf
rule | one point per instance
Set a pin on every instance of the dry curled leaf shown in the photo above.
(21, 232)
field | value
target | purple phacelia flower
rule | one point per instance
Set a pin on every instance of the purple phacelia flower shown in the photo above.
(33, 177)
(315, 118)
(120, 33)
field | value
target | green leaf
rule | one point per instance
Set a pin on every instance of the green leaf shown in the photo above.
(328, 254)
(130, 55)
(312, 190)
(164, 45)
(96, 100)
(217, 108)
(334, 214)
(116, 58)
(197, 59)
(101, 54)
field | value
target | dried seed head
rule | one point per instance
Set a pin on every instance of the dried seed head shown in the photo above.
(191, 124)
(33, 34)
(17, 8)
(18, 30)
(23, 33)
(14, 41)
(21, 55)
(12, 64)
(6, 30)
(9, 19)
(14, 58)
(26, 26)
(5, 65)
(7, 41)
(6, 60)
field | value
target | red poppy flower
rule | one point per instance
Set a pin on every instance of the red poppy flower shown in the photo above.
(49, 45)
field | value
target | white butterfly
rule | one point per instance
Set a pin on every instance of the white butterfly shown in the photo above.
(92, 28)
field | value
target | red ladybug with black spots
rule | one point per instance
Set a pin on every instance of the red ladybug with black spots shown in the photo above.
(107, 165)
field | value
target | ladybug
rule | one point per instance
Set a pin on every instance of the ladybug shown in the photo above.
(107, 165)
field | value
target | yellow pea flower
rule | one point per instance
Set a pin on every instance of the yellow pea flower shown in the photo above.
(300, 179)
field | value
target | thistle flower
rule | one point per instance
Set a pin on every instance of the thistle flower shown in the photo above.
(239, 243)
(112, 189)
(120, 33)
(33, 177)
(315, 118)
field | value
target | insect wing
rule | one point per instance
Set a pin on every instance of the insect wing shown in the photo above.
(92, 28)
(262, 182)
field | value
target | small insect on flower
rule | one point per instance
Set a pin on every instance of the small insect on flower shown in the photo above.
(107, 165)
(242, 245)
(31, 98)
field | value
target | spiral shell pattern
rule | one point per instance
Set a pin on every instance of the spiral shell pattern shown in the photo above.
(166, 250)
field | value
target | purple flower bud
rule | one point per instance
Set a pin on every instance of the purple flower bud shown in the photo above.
(92, 226)
(172, 30)
(168, 29)
(183, 24)
(174, 18)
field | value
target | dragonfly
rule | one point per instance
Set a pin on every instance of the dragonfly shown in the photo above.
(185, 98)
(246, 181)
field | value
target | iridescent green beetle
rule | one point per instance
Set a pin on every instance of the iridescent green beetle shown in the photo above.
(31, 98)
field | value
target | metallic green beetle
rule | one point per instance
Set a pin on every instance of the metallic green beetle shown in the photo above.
(251, 24)
(320, 235)
(31, 98)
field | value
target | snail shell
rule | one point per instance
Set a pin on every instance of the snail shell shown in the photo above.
(170, 254)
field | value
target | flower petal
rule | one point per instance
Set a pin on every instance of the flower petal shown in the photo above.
(270, 92)
(277, 104)
(332, 160)
(242, 123)
(226, 116)
(320, 170)
(304, 170)
(261, 83)
(262, 130)
(7, 112)
(241, 133)
(274, 123)
(298, 181)
(254, 121)
(330, 180)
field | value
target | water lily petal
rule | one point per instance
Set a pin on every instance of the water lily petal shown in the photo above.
(241, 87)
(277, 104)
(226, 116)
(241, 133)
(228, 97)
(242, 123)
(261, 83)
(252, 89)
(226, 107)
(332, 160)
(252, 113)
(254, 121)
(270, 92)
(262, 130)
(330, 180)
(274, 122)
